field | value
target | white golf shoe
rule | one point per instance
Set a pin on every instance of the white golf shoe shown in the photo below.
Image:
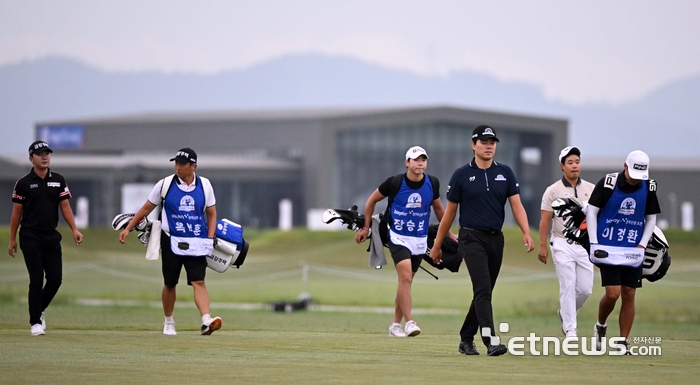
(38, 330)
(395, 330)
(169, 329)
(411, 329)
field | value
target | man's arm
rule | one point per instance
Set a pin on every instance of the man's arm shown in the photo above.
(545, 223)
(371, 203)
(14, 225)
(143, 211)
(521, 219)
(649, 225)
(68, 216)
(440, 213)
(592, 223)
(211, 221)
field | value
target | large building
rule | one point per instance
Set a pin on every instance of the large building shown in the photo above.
(315, 158)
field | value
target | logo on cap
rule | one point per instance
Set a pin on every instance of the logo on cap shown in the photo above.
(640, 167)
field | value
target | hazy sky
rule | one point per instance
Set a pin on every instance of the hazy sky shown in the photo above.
(577, 51)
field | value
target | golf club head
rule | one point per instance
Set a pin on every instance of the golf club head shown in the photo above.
(658, 240)
(349, 217)
(143, 224)
(329, 216)
(144, 237)
(120, 222)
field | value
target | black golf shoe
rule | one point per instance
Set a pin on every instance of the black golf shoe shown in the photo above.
(468, 348)
(497, 350)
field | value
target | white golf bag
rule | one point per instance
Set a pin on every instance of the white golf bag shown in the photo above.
(229, 246)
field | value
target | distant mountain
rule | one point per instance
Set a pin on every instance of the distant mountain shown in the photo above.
(663, 123)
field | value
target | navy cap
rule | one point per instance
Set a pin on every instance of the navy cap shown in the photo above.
(38, 147)
(484, 132)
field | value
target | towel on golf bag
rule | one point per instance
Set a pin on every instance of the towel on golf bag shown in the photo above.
(153, 245)
(377, 259)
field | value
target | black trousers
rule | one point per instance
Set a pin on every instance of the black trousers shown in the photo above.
(483, 254)
(42, 255)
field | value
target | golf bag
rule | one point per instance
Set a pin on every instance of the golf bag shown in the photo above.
(230, 248)
(656, 257)
(356, 221)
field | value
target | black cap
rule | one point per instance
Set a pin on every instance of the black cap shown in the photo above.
(185, 155)
(38, 147)
(484, 132)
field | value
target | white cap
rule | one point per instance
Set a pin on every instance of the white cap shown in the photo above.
(568, 151)
(414, 152)
(638, 165)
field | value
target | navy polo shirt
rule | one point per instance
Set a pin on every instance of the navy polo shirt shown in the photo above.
(482, 194)
(40, 199)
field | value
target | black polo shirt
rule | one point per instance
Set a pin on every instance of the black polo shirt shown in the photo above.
(601, 195)
(482, 194)
(39, 199)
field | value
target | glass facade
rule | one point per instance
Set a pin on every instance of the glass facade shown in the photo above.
(366, 157)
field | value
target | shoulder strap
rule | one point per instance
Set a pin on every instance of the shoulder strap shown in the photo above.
(395, 185)
(611, 181)
(167, 181)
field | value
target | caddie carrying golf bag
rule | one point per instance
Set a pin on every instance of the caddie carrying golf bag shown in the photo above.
(356, 221)
(656, 257)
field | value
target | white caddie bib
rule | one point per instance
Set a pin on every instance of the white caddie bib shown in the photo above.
(618, 256)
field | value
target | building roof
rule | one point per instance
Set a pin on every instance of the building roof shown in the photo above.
(159, 161)
(274, 115)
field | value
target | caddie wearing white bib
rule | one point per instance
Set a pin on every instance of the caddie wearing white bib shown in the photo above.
(574, 270)
(411, 196)
(621, 218)
(188, 214)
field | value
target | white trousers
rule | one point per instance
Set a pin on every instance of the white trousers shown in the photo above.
(575, 274)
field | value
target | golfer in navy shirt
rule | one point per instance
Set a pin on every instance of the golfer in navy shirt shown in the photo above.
(480, 190)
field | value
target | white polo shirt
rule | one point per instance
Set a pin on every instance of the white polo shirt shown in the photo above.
(563, 189)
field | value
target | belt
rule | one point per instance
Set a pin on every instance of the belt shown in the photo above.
(490, 232)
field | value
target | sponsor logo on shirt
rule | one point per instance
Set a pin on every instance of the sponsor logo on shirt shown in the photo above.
(500, 177)
(472, 178)
(628, 206)
(187, 203)
(53, 184)
(34, 185)
(414, 201)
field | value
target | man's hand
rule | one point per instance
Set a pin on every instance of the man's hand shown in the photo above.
(529, 243)
(12, 250)
(77, 237)
(361, 235)
(542, 254)
(436, 254)
(123, 235)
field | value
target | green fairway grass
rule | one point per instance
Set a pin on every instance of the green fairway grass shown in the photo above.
(105, 324)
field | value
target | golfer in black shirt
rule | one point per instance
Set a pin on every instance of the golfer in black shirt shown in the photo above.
(36, 199)
(480, 190)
